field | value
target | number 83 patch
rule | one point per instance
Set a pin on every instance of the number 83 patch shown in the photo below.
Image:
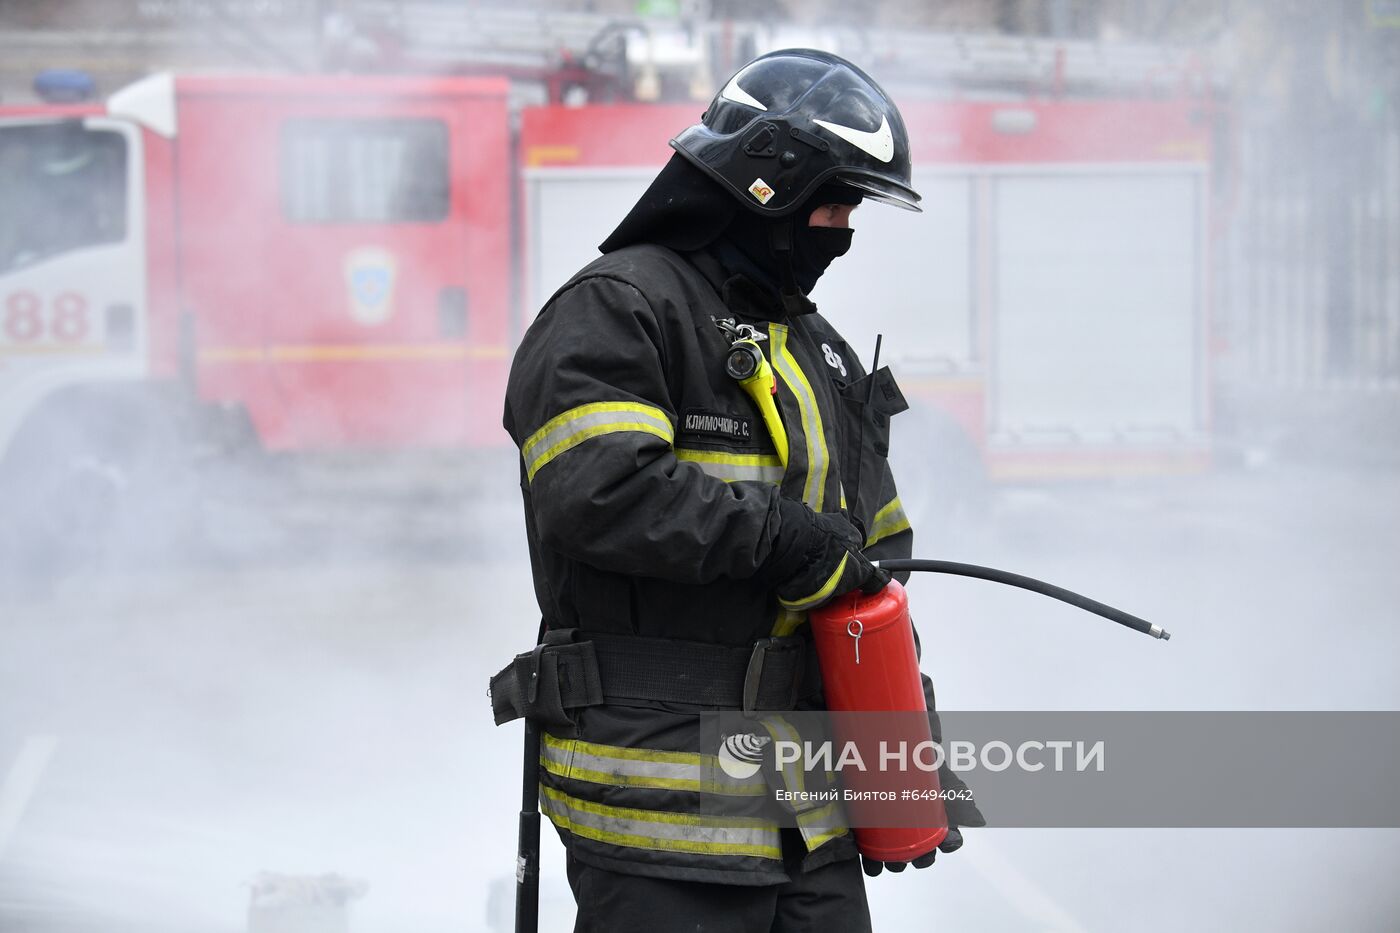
(833, 359)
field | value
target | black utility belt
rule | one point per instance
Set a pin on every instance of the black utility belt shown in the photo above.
(571, 670)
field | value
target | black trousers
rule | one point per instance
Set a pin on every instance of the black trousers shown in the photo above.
(830, 899)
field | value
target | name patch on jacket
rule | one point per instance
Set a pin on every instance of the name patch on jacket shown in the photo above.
(716, 424)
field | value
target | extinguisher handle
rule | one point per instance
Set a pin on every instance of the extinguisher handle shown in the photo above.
(1028, 583)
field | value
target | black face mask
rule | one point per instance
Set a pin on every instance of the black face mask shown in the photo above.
(747, 245)
(813, 249)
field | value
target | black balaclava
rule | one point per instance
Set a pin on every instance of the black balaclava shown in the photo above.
(786, 255)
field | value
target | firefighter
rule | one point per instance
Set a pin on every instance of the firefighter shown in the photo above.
(678, 537)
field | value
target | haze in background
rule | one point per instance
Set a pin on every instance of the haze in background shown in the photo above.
(283, 667)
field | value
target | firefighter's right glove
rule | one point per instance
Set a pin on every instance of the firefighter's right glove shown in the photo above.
(951, 843)
(817, 557)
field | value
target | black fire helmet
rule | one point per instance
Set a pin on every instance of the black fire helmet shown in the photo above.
(793, 120)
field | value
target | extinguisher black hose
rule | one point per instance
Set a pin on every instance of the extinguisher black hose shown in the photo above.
(1028, 583)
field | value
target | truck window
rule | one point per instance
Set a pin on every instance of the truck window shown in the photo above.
(364, 171)
(62, 187)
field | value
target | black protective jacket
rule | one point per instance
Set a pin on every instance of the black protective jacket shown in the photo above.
(651, 490)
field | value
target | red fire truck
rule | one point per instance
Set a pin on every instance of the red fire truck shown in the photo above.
(330, 263)
(324, 263)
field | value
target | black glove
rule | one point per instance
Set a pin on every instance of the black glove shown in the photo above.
(962, 809)
(951, 843)
(809, 550)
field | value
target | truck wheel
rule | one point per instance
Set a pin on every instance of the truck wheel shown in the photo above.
(72, 514)
(91, 484)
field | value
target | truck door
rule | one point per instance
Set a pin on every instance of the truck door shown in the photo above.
(1099, 276)
(347, 265)
(72, 259)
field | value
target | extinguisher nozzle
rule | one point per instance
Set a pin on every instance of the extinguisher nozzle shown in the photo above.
(1026, 583)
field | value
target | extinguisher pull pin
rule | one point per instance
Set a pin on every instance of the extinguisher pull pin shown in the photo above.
(1029, 583)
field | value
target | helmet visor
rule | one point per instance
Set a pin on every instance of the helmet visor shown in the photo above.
(882, 189)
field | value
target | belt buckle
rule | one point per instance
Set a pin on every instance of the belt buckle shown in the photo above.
(753, 676)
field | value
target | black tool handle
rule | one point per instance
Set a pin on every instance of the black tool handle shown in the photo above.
(527, 857)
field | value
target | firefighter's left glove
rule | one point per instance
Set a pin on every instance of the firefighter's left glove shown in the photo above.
(817, 556)
(951, 843)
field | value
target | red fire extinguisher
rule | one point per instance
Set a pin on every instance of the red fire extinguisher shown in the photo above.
(869, 663)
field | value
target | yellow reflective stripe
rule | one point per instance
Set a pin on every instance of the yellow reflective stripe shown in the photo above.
(573, 427)
(889, 509)
(788, 622)
(669, 831)
(783, 731)
(822, 825)
(733, 468)
(826, 590)
(814, 486)
(659, 817)
(574, 440)
(601, 764)
(717, 456)
(890, 520)
(579, 415)
(575, 772)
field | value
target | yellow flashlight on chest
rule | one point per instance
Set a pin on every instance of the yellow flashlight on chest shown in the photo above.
(747, 365)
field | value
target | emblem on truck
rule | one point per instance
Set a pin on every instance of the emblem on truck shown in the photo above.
(370, 273)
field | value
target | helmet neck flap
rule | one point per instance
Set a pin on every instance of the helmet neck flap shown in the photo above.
(681, 210)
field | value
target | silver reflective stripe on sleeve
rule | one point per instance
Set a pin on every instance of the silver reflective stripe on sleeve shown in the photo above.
(565, 432)
(890, 520)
